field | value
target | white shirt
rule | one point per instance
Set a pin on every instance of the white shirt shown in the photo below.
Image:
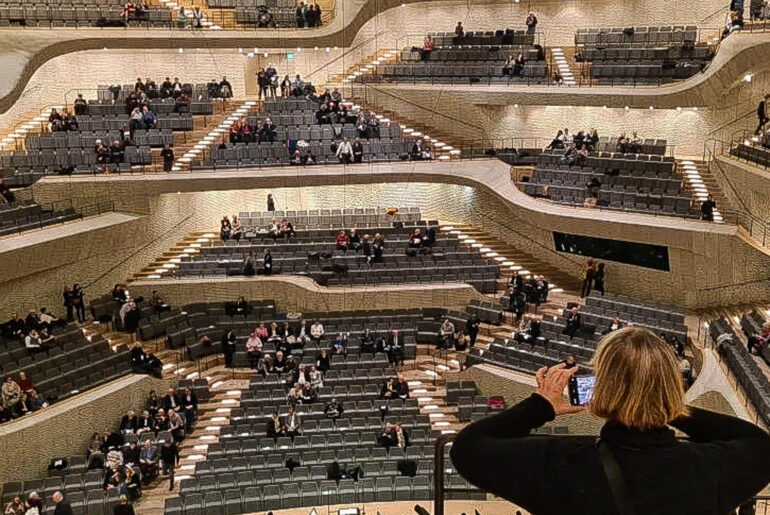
(344, 148)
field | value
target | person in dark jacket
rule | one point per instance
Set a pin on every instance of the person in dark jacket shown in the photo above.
(472, 328)
(229, 341)
(639, 393)
(599, 278)
(62, 506)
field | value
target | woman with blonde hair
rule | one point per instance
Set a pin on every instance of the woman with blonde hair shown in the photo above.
(637, 465)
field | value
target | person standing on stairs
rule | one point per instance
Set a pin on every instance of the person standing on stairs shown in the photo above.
(707, 208)
(762, 114)
(472, 328)
(168, 157)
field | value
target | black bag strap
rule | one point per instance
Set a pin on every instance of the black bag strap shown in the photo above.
(615, 479)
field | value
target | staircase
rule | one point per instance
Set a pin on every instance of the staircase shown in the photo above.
(560, 58)
(34, 121)
(512, 259)
(215, 129)
(225, 389)
(165, 264)
(366, 66)
(698, 179)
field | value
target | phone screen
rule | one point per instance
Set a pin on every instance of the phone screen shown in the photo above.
(581, 389)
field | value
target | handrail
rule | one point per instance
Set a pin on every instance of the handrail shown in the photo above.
(715, 13)
(345, 53)
(366, 88)
(140, 249)
(740, 118)
(734, 190)
(733, 285)
(438, 472)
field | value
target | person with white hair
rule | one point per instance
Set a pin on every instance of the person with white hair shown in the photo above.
(62, 506)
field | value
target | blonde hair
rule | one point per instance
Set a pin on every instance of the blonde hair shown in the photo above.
(638, 382)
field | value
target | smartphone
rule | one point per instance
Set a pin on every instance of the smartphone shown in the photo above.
(581, 389)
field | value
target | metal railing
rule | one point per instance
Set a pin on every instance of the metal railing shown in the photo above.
(432, 113)
(55, 213)
(755, 227)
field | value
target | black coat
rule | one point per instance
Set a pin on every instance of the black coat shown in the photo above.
(724, 462)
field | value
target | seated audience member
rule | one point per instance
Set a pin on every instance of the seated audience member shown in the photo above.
(6, 195)
(25, 383)
(46, 338)
(154, 404)
(557, 142)
(317, 331)
(446, 334)
(171, 400)
(254, 349)
(354, 240)
(315, 377)
(569, 155)
(388, 389)
(48, 320)
(182, 103)
(593, 186)
(35, 401)
(339, 344)
(427, 48)
(265, 366)
(32, 321)
(394, 435)
(622, 143)
(287, 230)
(14, 328)
(292, 422)
(420, 151)
(323, 362)
(144, 363)
(573, 322)
(333, 409)
(366, 343)
(279, 363)
(614, 325)
(157, 303)
(131, 453)
(32, 342)
(415, 239)
(570, 362)
(130, 422)
(15, 507)
(529, 330)
(342, 241)
(160, 422)
(402, 387)
(148, 461)
(119, 293)
(394, 348)
(241, 306)
(144, 423)
(275, 426)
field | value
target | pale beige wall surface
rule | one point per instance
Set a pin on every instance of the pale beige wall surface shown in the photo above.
(27, 445)
(704, 257)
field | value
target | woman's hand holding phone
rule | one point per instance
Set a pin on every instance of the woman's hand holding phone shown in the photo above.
(551, 383)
